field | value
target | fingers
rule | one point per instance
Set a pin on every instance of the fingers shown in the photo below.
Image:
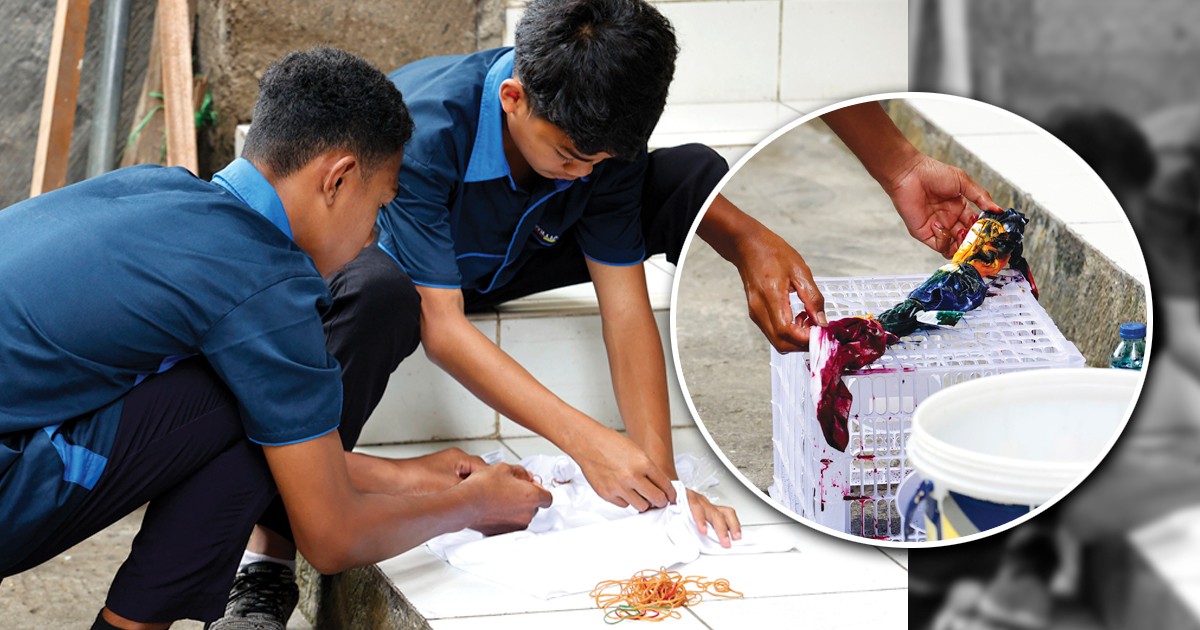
(662, 482)
(519, 472)
(976, 194)
(723, 520)
(942, 241)
(810, 296)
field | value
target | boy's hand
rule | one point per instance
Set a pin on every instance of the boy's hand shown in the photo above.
(723, 519)
(505, 498)
(770, 270)
(621, 472)
(932, 199)
(438, 471)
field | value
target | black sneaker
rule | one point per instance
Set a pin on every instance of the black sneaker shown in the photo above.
(263, 596)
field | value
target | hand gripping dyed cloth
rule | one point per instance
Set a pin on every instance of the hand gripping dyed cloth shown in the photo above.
(852, 343)
(581, 539)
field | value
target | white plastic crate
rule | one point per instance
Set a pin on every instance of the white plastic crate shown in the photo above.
(855, 491)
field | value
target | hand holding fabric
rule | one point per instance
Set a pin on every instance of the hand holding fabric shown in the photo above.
(506, 498)
(620, 471)
(934, 201)
(723, 519)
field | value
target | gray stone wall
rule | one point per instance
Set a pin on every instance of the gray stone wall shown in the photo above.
(26, 28)
(235, 41)
(238, 39)
(1084, 292)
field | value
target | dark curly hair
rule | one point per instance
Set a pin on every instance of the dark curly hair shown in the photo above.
(318, 100)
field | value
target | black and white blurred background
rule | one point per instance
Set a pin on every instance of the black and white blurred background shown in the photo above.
(1118, 81)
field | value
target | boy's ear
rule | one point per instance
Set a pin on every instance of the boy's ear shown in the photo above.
(335, 175)
(512, 95)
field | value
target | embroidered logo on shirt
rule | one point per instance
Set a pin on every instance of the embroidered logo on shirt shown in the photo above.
(548, 239)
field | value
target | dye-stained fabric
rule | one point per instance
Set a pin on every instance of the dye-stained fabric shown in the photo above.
(852, 343)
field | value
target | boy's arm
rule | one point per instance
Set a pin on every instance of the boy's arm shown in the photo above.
(615, 466)
(338, 527)
(931, 197)
(639, 376)
(770, 270)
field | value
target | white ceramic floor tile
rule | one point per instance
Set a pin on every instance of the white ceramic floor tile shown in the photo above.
(809, 106)
(567, 355)
(823, 564)
(715, 59)
(417, 449)
(899, 555)
(1116, 241)
(842, 49)
(878, 610)
(966, 118)
(720, 124)
(439, 590)
(422, 402)
(551, 621)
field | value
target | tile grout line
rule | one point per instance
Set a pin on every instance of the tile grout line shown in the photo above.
(892, 558)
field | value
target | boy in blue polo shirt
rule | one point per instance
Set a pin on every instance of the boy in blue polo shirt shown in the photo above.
(528, 170)
(152, 321)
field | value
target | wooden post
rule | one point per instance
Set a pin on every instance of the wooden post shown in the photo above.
(58, 100)
(176, 45)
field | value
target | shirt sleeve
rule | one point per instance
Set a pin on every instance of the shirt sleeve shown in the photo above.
(610, 230)
(270, 351)
(415, 226)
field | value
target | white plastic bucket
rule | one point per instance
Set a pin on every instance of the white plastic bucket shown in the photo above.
(992, 449)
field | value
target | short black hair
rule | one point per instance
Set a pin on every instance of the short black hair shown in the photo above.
(599, 70)
(323, 99)
(1112, 144)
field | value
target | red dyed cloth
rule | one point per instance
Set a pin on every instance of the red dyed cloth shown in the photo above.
(849, 344)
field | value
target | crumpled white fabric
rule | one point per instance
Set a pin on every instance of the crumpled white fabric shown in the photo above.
(581, 539)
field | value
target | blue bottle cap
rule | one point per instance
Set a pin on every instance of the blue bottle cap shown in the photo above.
(1133, 330)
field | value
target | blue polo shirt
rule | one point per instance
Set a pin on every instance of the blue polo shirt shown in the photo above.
(107, 281)
(460, 221)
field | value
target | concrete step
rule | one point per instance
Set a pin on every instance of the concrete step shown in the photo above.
(556, 335)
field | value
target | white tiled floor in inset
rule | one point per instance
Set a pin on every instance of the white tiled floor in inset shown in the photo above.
(844, 611)
(827, 572)
(843, 49)
(422, 402)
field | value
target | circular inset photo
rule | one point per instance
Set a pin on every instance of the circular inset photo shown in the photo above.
(918, 319)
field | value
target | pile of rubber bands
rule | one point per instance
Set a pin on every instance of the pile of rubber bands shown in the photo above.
(656, 595)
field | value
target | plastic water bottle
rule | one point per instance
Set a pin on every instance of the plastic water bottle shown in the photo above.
(1128, 354)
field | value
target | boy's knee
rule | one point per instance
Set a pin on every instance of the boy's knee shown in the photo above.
(375, 303)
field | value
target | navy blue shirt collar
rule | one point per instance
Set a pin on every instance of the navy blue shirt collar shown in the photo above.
(247, 184)
(488, 161)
